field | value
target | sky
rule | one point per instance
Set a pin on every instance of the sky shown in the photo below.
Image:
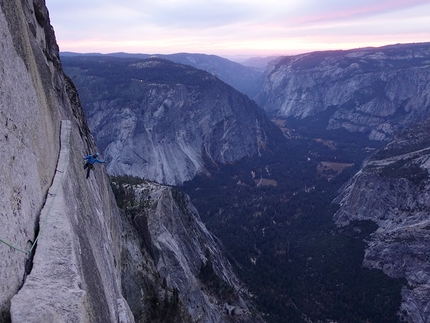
(231, 28)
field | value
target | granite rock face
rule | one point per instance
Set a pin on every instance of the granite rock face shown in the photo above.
(72, 273)
(392, 190)
(184, 257)
(166, 122)
(29, 142)
(375, 91)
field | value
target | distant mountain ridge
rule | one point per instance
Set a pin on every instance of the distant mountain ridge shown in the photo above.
(259, 62)
(375, 91)
(246, 79)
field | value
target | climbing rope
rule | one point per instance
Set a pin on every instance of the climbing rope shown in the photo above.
(16, 248)
(53, 195)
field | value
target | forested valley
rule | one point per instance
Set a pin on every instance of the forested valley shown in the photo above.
(274, 216)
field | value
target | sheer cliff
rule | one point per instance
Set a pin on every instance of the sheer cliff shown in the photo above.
(195, 281)
(68, 254)
(392, 190)
(69, 224)
(164, 121)
(375, 91)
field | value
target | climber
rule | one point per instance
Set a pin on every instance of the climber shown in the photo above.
(91, 159)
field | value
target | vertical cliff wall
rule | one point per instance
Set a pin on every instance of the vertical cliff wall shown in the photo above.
(392, 190)
(374, 91)
(187, 260)
(75, 275)
(29, 142)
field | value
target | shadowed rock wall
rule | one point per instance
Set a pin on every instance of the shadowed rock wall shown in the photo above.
(392, 190)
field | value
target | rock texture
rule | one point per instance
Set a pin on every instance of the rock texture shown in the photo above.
(75, 261)
(29, 141)
(180, 248)
(167, 122)
(375, 91)
(392, 190)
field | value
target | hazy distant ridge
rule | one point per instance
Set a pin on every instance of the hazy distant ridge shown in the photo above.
(245, 79)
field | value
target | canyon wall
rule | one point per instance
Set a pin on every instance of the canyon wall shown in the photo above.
(375, 91)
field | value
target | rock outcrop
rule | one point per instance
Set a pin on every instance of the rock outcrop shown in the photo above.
(375, 91)
(167, 122)
(392, 190)
(184, 256)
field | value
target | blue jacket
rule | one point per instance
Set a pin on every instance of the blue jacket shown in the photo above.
(91, 159)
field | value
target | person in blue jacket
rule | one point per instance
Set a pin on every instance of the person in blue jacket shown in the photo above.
(91, 159)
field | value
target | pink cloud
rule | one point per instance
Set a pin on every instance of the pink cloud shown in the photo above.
(368, 9)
